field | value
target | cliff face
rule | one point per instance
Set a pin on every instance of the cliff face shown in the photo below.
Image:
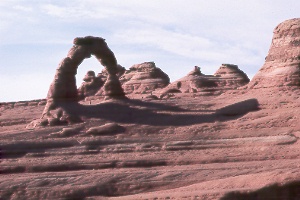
(282, 64)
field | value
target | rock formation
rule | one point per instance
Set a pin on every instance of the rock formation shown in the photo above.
(90, 86)
(242, 145)
(231, 77)
(227, 77)
(144, 78)
(120, 71)
(63, 88)
(103, 76)
(282, 64)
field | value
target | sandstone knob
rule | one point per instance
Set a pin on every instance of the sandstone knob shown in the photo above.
(282, 64)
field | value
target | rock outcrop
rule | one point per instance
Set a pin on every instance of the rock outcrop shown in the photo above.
(144, 78)
(231, 77)
(64, 85)
(103, 75)
(91, 85)
(282, 64)
(63, 88)
(227, 77)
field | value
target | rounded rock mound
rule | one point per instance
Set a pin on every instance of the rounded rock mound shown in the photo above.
(231, 77)
(144, 78)
(227, 77)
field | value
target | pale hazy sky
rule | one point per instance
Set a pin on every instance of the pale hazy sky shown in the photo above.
(35, 35)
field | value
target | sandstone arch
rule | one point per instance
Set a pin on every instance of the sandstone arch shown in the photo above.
(63, 88)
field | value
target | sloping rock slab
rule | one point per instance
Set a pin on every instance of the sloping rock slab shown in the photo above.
(107, 129)
(239, 108)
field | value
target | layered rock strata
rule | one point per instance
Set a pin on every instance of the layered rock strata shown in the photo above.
(230, 77)
(144, 78)
(91, 85)
(103, 75)
(227, 77)
(282, 64)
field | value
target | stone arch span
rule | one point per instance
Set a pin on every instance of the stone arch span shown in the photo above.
(63, 87)
(63, 90)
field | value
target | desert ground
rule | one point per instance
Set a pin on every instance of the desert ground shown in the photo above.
(185, 147)
(184, 140)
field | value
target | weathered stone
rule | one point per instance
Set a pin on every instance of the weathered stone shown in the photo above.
(68, 132)
(239, 108)
(112, 87)
(104, 76)
(90, 86)
(227, 77)
(64, 84)
(107, 129)
(282, 64)
(63, 87)
(231, 77)
(144, 78)
(19, 104)
(42, 103)
(54, 122)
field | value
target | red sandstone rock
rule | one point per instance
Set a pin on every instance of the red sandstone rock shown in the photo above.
(282, 64)
(231, 77)
(227, 77)
(208, 147)
(90, 86)
(63, 87)
(106, 129)
(239, 108)
(104, 75)
(64, 84)
(144, 78)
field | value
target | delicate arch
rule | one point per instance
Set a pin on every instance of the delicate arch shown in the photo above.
(63, 87)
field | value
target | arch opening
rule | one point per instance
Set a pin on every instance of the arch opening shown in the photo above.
(63, 89)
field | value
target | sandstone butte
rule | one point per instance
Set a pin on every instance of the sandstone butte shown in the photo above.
(137, 136)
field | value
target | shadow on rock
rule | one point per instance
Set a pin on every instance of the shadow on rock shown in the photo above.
(289, 191)
(240, 108)
(156, 114)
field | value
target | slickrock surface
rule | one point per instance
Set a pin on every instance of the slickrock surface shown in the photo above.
(282, 64)
(234, 146)
(144, 78)
(145, 149)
